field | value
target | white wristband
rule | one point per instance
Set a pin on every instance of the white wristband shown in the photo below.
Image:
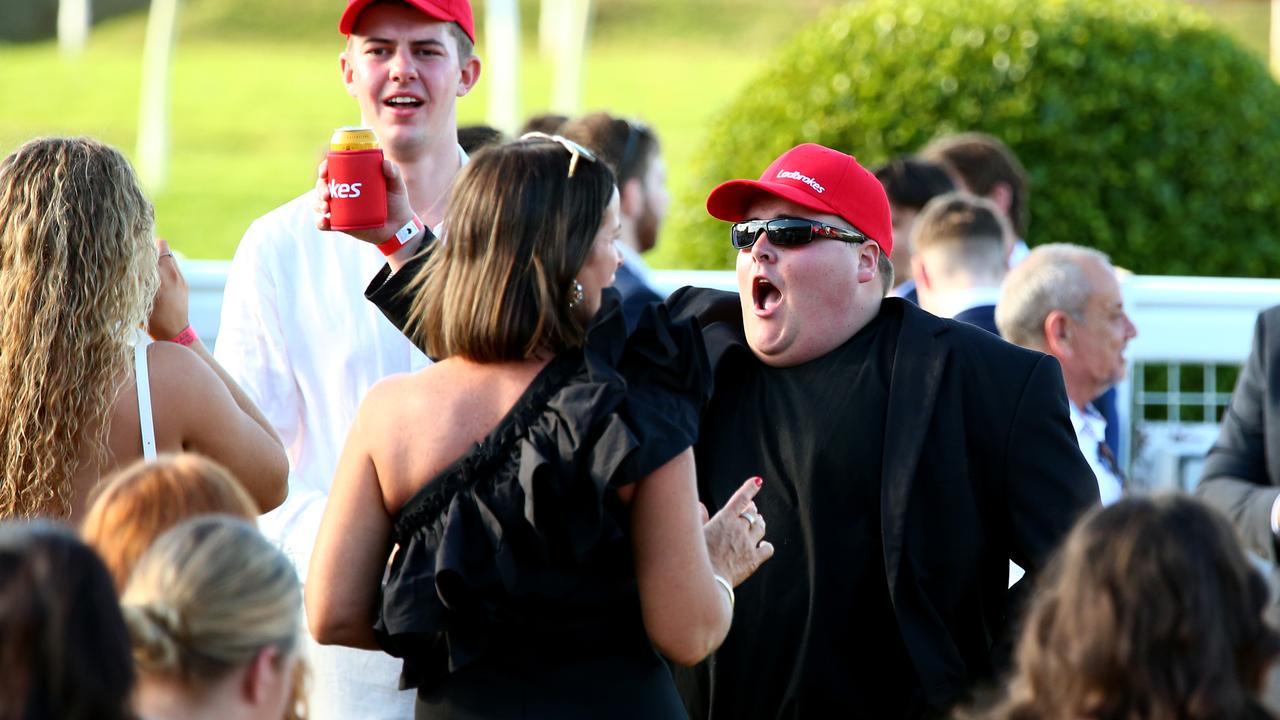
(727, 588)
(402, 236)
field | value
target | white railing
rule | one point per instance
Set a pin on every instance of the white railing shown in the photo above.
(1188, 327)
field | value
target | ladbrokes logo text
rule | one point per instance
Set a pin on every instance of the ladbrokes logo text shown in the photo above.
(793, 175)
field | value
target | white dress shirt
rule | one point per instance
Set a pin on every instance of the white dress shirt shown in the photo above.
(298, 335)
(1091, 432)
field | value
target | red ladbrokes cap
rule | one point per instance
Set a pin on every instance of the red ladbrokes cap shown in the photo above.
(458, 11)
(817, 178)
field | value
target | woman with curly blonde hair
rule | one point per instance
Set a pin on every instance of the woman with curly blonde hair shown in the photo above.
(81, 393)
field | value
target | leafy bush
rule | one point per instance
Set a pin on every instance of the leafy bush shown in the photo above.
(1148, 133)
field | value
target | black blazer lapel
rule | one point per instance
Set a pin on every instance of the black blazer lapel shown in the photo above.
(917, 369)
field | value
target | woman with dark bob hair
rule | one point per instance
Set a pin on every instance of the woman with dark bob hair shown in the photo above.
(535, 487)
(1150, 611)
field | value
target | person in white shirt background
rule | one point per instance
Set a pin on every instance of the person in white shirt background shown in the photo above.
(296, 331)
(1065, 300)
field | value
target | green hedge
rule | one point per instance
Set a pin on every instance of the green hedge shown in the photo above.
(1148, 133)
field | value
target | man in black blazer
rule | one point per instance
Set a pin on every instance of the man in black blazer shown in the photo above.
(1241, 476)
(906, 459)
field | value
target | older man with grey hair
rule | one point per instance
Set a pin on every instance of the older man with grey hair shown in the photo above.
(1065, 300)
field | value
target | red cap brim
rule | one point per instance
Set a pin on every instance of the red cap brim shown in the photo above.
(729, 201)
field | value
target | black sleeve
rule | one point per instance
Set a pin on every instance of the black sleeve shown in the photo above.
(708, 306)
(1234, 478)
(635, 302)
(1050, 483)
(388, 291)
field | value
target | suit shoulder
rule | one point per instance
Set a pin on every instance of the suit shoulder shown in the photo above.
(1270, 317)
(705, 304)
(984, 348)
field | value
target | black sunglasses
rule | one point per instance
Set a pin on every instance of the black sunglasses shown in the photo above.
(789, 232)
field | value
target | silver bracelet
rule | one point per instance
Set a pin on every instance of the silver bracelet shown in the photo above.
(727, 588)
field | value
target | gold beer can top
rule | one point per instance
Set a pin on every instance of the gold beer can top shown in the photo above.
(353, 138)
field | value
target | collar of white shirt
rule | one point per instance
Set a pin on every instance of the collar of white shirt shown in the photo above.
(1091, 432)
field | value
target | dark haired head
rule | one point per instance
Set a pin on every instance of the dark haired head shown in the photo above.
(626, 145)
(911, 182)
(983, 164)
(548, 123)
(64, 650)
(474, 138)
(1150, 610)
(519, 228)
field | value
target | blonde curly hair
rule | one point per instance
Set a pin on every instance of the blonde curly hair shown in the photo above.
(77, 275)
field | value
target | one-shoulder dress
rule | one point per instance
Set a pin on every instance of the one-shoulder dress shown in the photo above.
(511, 592)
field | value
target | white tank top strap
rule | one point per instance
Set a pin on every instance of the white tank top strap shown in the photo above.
(143, 379)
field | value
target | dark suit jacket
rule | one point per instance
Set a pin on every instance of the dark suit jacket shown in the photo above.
(984, 316)
(636, 296)
(981, 465)
(1241, 476)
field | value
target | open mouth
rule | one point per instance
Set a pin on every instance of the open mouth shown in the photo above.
(765, 295)
(402, 101)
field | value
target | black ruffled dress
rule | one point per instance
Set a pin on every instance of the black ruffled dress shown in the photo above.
(512, 593)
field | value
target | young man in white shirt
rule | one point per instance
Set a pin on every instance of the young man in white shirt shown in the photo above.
(1065, 300)
(296, 331)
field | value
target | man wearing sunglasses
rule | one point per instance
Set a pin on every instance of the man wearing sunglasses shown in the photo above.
(907, 458)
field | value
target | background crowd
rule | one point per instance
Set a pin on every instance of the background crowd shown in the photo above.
(489, 471)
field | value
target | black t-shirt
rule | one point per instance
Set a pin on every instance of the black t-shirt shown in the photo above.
(815, 433)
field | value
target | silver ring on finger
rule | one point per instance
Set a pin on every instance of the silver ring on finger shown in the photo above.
(749, 517)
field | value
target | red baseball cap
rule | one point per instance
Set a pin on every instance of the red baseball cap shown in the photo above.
(458, 11)
(817, 178)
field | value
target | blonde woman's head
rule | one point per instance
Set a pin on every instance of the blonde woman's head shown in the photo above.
(212, 599)
(77, 273)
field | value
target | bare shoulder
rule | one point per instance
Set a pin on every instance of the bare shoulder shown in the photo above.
(402, 396)
(417, 414)
(178, 371)
(415, 425)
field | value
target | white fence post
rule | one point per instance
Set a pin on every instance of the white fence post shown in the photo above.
(502, 59)
(566, 87)
(1274, 45)
(74, 17)
(153, 113)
